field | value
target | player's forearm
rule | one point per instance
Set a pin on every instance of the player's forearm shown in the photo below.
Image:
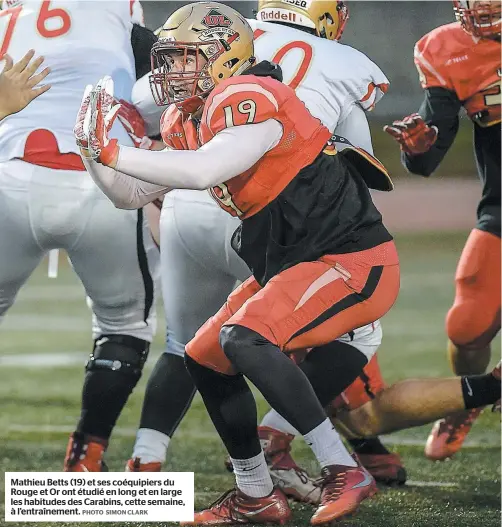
(230, 153)
(439, 108)
(124, 192)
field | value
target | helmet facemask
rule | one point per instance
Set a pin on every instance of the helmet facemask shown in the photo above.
(180, 70)
(479, 18)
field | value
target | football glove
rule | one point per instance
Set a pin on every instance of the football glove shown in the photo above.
(133, 123)
(94, 121)
(412, 134)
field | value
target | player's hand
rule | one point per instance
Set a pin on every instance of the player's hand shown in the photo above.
(95, 119)
(18, 83)
(81, 128)
(134, 124)
(412, 134)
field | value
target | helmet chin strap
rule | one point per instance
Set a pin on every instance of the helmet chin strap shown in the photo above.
(245, 65)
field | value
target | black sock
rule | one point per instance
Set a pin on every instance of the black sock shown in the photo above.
(168, 395)
(480, 390)
(231, 406)
(370, 445)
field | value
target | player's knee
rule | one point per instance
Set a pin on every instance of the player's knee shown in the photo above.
(122, 354)
(237, 341)
(173, 346)
(467, 321)
(364, 421)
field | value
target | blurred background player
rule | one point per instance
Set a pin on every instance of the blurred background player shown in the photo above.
(19, 83)
(48, 201)
(459, 66)
(198, 262)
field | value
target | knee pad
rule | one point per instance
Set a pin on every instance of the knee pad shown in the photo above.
(238, 340)
(121, 353)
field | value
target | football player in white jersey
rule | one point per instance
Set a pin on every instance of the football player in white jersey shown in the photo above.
(199, 266)
(48, 201)
(19, 83)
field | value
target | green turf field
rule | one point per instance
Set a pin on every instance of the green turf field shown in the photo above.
(40, 400)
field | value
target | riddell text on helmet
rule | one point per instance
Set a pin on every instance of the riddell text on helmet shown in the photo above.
(279, 14)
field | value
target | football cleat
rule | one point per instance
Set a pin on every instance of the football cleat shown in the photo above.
(286, 474)
(387, 469)
(343, 490)
(234, 508)
(448, 434)
(135, 465)
(85, 454)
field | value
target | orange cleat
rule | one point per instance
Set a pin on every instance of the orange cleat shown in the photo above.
(135, 465)
(448, 434)
(387, 469)
(343, 490)
(234, 507)
(84, 453)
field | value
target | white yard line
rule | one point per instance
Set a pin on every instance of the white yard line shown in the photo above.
(413, 483)
(42, 360)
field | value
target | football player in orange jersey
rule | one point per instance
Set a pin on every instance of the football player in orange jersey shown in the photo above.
(195, 261)
(323, 263)
(18, 83)
(459, 66)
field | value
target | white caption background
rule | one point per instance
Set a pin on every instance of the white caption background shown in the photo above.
(99, 496)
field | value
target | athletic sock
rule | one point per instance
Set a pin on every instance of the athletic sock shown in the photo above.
(327, 446)
(275, 421)
(480, 390)
(150, 446)
(371, 445)
(252, 476)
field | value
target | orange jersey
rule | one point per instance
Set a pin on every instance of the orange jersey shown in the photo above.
(450, 58)
(250, 99)
(178, 130)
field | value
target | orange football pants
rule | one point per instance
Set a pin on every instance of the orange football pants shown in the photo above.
(307, 305)
(474, 318)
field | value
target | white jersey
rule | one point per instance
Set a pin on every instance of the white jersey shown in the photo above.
(329, 77)
(81, 41)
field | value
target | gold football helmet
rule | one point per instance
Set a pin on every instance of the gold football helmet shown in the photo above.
(326, 17)
(212, 42)
(481, 18)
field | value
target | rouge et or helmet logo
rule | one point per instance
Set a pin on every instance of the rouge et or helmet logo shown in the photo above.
(216, 19)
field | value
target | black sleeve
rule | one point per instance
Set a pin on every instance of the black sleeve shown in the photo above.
(440, 108)
(142, 40)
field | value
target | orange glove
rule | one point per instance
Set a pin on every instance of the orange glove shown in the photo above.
(412, 134)
(134, 124)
